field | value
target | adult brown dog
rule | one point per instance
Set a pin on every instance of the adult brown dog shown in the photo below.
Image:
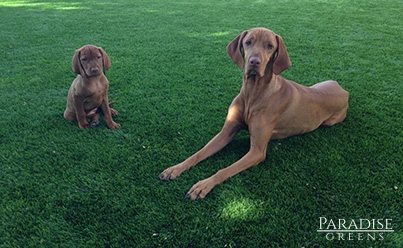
(268, 105)
(88, 93)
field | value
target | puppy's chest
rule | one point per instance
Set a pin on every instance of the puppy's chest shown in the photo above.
(94, 95)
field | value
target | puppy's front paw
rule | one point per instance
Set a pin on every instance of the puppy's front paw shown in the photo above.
(201, 189)
(113, 125)
(171, 173)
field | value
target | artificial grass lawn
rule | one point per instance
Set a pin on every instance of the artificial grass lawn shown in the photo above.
(172, 82)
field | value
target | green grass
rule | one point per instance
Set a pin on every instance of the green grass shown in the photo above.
(172, 82)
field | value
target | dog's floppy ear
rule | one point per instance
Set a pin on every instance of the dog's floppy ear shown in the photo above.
(75, 64)
(235, 50)
(106, 61)
(282, 60)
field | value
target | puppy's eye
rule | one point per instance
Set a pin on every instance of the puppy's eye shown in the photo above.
(248, 42)
(99, 57)
(269, 46)
(83, 59)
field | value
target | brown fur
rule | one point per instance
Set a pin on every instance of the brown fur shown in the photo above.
(88, 94)
(268, 105)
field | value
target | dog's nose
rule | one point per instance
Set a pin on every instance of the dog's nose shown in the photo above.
(94, 70)
(254, 61)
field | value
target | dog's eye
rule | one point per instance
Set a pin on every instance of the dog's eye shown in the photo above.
(269, 46)
(83, 59)
(248, 42)
(99, 57)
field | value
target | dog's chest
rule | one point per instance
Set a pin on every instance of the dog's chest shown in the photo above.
(250, 111)
(94, 96)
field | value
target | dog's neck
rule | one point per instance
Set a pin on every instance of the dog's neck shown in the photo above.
(255, 88)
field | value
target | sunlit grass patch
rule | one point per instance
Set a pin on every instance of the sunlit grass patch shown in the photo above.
(43, 5)
(242, 209)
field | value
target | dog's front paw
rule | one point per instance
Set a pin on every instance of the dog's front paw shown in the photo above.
(113, 125)
(201, 189)
(171, 173)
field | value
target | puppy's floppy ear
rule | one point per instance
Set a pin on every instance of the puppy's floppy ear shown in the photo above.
(75, 64)
(235, 50)
(282, 60)
(106, 61)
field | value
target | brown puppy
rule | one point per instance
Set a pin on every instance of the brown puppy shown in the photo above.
(268, 105)
(88, 93)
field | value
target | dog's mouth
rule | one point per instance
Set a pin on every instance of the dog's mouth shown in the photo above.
(252, 73)
(93, 74)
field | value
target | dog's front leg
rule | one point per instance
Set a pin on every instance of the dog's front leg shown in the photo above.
(259, 137)
(231, 127)
(213, 146)
(108, 114)
(80, 112)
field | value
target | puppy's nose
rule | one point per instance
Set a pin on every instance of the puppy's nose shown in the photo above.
(94, 70)
(254, 61)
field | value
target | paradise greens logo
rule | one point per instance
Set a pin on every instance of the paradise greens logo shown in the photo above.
(355, 229)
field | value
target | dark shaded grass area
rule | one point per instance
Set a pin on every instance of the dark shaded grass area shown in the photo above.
(172, 82)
